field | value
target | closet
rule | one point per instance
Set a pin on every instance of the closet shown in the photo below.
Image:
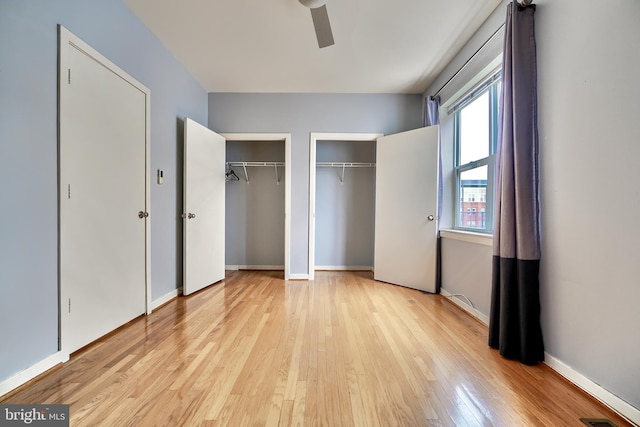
(255, 205)
(402, 220)
(344, 204)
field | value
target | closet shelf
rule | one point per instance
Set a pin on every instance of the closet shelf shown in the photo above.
(245, 165)
(343, 166)
(253, 164)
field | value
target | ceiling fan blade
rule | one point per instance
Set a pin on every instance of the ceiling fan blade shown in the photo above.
(323, 27)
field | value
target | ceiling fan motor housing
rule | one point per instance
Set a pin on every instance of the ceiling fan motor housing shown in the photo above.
(313, 4)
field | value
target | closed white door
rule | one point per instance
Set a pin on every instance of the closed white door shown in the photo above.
(103, 195)
(203, 208)
(406, 209)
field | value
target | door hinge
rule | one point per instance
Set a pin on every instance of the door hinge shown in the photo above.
(69, 305)
(68, 191)
(69, 75)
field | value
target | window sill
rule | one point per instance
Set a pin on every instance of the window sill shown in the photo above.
(467, 236)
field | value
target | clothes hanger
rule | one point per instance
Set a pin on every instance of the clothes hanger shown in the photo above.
(230, 175)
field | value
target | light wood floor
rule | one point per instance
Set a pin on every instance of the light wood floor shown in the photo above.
(339, 351)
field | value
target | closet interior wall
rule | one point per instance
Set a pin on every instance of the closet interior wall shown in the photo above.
(345, 206)
(255, 209)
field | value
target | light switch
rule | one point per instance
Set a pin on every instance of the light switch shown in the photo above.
(160, 176)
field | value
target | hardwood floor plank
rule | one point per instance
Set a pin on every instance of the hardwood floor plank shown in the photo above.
(299, 404)
(342, 350)
(233, 369)
(286, 414)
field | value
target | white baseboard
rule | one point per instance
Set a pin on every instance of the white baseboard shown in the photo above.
(598, 392)
(465, 306)
(254, 267)
(267, 267)
(606, 397)
(343, 268)
(31, 372)
(165, 298)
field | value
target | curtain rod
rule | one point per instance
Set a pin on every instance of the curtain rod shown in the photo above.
(469, 60)
(524, 3)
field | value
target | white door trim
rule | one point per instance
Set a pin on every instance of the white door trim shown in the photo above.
(286, 138)
(67, 38)
(313, 138)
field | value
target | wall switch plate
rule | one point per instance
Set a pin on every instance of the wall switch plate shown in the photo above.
(160, 176)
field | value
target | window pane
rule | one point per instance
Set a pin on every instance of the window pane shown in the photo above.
(473, 196)
(474, 130)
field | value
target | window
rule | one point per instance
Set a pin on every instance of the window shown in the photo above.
(475, 139)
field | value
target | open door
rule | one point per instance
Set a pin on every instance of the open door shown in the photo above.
(406, 209)
(203, 207)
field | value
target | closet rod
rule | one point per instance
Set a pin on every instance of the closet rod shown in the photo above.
(244, 166)
(345, 165)
(254, 164)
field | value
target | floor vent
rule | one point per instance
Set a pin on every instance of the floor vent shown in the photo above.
(598, 422)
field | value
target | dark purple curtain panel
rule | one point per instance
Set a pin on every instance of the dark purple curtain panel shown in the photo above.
(514, 327)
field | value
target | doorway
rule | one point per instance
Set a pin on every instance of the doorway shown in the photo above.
(258, 201)
(341, 201)
(103, 195)
(406, 205)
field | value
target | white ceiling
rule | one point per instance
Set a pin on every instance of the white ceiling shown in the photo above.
(381, 46)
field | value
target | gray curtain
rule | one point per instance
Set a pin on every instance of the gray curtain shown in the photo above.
(431, 111)
(514, 326)
(431, 118)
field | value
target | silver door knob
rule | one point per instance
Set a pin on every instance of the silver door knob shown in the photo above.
(143, 214)
(191, 215)
(431, 218)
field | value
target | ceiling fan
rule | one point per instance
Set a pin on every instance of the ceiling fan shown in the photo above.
(320, 21)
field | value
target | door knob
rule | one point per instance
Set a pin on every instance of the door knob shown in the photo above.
(191, 215)
(430, 217)
(142, 214)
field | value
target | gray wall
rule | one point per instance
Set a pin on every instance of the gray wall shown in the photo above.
(28, 157)
(254, 224)
(466, 270)
(345, 210)
(589, 131)
(300, 114)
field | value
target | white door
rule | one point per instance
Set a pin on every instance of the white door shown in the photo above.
(103, 151)
(203, 208)
(406, 209)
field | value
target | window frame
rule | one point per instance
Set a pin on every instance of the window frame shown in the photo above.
(492, 85)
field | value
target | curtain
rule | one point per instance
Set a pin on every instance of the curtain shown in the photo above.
(431, 118)
(431, 111)
(514, 326)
